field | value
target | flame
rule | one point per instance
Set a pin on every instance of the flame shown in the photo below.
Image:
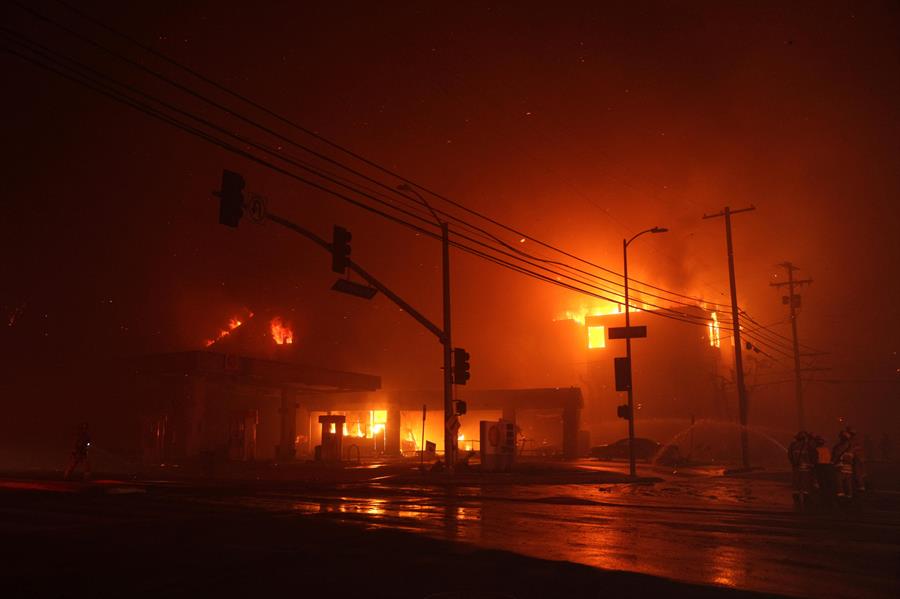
(281, 332)
(359, 430)
(584, 311)
(233, 323)
(714, 339)
(346, 430)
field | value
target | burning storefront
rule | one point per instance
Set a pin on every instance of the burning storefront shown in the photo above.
(239, 399)
(244, 398)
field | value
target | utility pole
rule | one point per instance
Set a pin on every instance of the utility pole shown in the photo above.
(793, 301)
(736, 323)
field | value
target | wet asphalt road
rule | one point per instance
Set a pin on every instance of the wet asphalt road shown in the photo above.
(692, 526)
(697, 527)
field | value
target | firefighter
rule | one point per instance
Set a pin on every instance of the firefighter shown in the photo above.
(847, 459)
(80, 452)
(802, 455)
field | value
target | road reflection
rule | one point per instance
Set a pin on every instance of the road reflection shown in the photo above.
(725, 532)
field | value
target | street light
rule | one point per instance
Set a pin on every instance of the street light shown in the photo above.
(625, 244)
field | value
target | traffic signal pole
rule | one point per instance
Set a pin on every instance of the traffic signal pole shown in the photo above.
(450, 438)
(231, 210)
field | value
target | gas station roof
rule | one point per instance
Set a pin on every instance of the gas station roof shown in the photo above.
(255, 371)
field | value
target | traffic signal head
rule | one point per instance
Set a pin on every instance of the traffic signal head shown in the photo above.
(460, 366)
(231, 198)
(340, 249)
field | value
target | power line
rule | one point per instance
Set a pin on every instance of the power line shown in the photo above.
(96, 86)
(308, 167)
(346, 150)
(341, 181)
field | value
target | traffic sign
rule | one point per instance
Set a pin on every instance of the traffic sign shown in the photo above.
(627, 332)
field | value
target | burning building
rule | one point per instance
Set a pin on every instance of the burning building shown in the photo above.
(240, 398)
(244, 397)
(679, 370)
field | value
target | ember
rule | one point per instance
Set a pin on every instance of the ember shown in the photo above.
(233, 323)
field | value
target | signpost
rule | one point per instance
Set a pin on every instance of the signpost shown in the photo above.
(623, 380)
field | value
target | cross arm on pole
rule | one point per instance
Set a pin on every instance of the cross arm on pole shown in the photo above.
(723, 212)
(797, 282)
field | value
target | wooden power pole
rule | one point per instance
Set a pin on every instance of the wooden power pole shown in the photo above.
(793, 301)
(736, 323)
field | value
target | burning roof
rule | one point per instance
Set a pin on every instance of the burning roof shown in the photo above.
(253, 334)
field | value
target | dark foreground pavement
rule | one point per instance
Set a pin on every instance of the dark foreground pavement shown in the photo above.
(111, 539)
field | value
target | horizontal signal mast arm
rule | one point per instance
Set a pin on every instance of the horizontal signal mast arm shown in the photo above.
(371, 280)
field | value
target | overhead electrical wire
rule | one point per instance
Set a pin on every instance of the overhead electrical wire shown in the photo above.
(151, 111)
(311, 133)
(274, 152)
(333, 178)
(775, 333)
(43, 52)
(344, 182)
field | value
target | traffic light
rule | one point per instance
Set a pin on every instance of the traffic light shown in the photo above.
(340, 249)
(623, 373)
(231, 198)
(623, 412)
(460, 366)
(461, 407)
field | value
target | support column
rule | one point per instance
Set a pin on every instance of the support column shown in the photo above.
(571, 425)
(303, 430)
(392, 431)
(287, 450)
(193, 404)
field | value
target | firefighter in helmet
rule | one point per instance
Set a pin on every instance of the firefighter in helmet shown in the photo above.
(847, 459)
(802, 455)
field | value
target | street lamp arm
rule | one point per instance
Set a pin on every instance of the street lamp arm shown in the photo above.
(409, 188)
(631, 465)
(652, 230)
